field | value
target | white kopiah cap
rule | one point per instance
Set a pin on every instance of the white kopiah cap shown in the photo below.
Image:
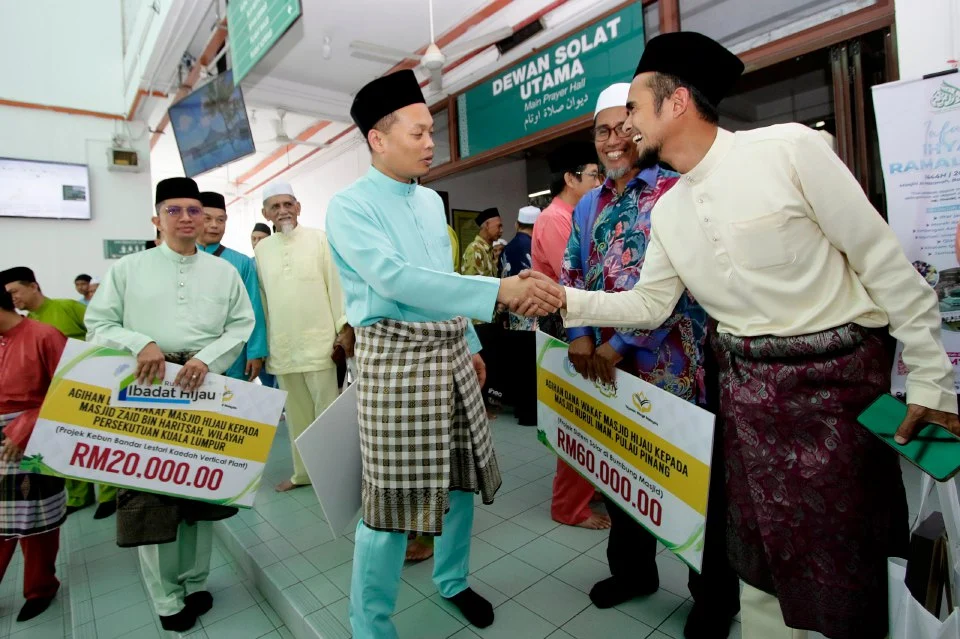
(277, 188)
(528, 215)
(500, 242)
(614, 95)
(94, 280)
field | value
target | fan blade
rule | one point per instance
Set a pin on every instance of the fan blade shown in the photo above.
(382, 59)
(436, 81)
(377, 49)
(482, 42)
(316, 145)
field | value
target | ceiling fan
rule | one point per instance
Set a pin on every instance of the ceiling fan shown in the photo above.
(282, 139)
(433, 60)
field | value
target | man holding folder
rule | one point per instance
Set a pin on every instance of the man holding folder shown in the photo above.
(776, 240)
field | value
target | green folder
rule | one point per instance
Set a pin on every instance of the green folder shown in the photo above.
(935, 450)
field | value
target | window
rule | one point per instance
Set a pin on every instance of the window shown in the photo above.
(742, 25)
(441, 137)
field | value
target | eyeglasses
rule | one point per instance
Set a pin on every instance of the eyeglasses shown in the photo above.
(177, 211)
(590, 175)
(602, 133)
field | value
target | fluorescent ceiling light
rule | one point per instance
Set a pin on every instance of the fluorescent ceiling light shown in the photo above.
(539, 193)
(820, 124)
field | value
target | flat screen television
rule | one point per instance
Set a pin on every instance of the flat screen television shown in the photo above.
(211, 126)
(56, 190)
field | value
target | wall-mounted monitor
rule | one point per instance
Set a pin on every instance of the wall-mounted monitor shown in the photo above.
(56, 190)
(211, 126)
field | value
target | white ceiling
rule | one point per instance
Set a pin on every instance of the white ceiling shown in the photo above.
(296, 77)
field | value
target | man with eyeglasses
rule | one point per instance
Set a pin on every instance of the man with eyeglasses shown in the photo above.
(606, 252)
(307, 329)
(174, 304)
(573, 172)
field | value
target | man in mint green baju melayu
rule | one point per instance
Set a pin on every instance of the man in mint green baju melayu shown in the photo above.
(424, 437)
(249, 364)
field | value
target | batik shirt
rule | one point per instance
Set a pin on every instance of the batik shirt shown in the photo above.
(516, 258)
(478, 259)
(606, 253)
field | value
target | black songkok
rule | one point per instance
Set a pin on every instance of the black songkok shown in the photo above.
(694, 58)
(173, 188)
(487, 214)
(383, 96)
(212, 200)
(17, 274)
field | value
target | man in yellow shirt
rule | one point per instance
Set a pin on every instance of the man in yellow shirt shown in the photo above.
(776, 240)
(306, 324)
(455, 245)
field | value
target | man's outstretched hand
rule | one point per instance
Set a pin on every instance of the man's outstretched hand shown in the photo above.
(532, 294)
(919, 416)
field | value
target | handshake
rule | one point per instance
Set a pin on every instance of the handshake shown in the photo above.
(531, 294)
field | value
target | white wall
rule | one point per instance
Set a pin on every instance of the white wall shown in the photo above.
(928, 34)
(314, 182)
(63, 54)
(143, 27)
(502, 185)
(58, 250)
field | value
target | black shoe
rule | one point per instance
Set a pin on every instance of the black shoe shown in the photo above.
(34, 608)
(707, 623)
(105, 509)
(615, 591)
(199, 602)
(475, 608)
(180, 622)
(73, 509)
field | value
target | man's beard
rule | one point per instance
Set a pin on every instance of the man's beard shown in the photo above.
(649, 157)
(616, 174)
(286, 226)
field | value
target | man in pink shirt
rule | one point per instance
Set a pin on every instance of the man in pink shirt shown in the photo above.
(574, 171)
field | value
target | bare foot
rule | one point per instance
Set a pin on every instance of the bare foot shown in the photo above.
(286, 485)
(418, 551)
(595, 522)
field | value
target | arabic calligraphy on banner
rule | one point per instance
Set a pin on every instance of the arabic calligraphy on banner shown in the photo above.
(552, 86)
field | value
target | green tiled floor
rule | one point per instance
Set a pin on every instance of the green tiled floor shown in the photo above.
(106, 599)
(536, 574)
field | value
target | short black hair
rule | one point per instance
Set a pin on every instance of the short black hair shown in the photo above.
(6, 300)
(524, 227)
(383, 125)
(558, 180)
(663, 86)
(83, 277)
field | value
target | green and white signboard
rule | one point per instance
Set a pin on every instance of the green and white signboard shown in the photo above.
(114, 249)
(253, 27)
(552, 86)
